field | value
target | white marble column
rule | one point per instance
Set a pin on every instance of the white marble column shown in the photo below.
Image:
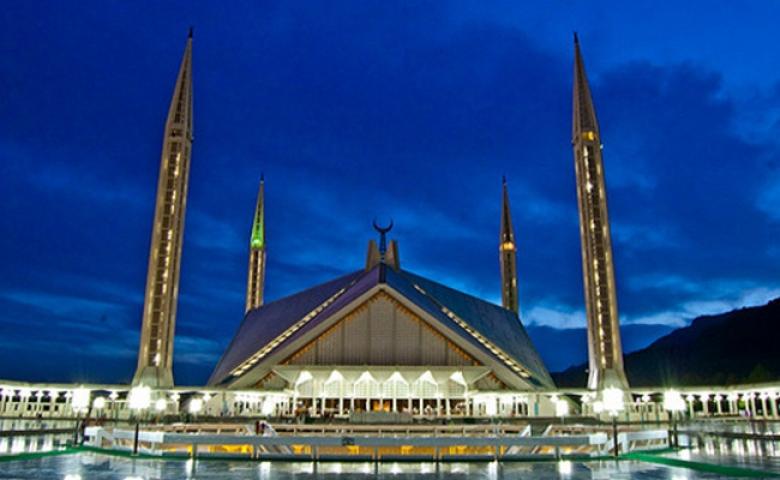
(690, 399)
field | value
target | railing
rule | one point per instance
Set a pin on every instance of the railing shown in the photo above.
(347, 428)
(398, 446)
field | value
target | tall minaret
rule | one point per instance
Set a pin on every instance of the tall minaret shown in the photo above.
(605, 354)
(507, 255)
(256, 281)
(155, 356)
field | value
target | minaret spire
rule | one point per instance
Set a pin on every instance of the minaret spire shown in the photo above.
(507, 251)
(155, 356)
(256, 281)
(605, 353)
(584, 113)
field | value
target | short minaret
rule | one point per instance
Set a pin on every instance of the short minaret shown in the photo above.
(155, 356)
(256, 281)
(605, 354)
(507, 253)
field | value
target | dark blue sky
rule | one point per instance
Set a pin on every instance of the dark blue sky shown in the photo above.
(355, 109)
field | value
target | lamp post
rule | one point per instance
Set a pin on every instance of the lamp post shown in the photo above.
(612, 402)
(561, 409)
(160, 406)
(674, 403)
(113, 396)
(195, 406)
(645, 398)
(79, 403)
(139, 399)
(98, 405)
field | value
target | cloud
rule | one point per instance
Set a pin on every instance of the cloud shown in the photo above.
(197, 351)
(644, 237)
(212, 233)
(59, 303)
(556, 317)
(769, 199)
(687, 311)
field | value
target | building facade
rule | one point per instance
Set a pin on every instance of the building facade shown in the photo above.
(385, 339)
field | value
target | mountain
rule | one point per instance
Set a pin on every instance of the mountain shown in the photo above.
(735, 347)
(563, 347)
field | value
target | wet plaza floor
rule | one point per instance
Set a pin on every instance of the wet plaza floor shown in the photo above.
(712, 444)
(92, 466)
(732, 444)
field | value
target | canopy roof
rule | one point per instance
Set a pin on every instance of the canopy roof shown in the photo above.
(491, 329)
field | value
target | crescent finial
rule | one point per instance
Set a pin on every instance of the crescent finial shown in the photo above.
(383, 230)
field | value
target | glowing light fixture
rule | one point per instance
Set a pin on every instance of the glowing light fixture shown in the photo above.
(612, 400)
(140, 397)
(673, 401)
(561, 408)
(80, 400)
(457, 377)
(335, 376)
(196, 405)
(304, 376)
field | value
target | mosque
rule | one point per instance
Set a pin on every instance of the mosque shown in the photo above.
(382, 338)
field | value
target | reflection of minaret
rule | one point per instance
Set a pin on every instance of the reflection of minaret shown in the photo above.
(155, 356)
(256, 281)
(604, 350)
(507, 256)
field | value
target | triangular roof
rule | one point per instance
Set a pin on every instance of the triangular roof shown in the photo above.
(493, 330)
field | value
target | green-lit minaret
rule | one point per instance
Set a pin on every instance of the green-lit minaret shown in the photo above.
(155, 356)
(256, 280)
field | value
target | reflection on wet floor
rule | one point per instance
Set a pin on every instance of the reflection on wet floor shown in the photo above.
(86, 466)
(732, 444)
(32, 443)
